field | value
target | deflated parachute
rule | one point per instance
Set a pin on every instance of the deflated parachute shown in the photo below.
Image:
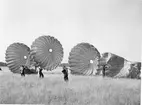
(16, 55)
(116, 66)
(47, 51)
(119, 67)
(83, 59)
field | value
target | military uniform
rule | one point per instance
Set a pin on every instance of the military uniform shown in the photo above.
(22, 71)
(40, 73)
(65, 72)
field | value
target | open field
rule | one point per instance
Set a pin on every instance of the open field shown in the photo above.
(80, 90)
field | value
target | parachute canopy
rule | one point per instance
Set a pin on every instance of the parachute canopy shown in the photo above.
(16, 55)
(114, 63)
(135, 71)
(83, 59)
(47, 51)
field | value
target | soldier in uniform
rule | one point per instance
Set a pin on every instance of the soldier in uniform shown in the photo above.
(104, 70)
(40, 73)
(22, 69)
(65, 72)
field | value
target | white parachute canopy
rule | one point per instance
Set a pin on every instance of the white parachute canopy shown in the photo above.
(47, 51)
(83, 59)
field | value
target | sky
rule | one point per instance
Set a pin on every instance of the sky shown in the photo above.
(110, 25)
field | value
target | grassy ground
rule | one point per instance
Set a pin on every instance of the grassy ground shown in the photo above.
(80, 90)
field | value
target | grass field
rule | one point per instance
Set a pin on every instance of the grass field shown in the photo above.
(80, 90)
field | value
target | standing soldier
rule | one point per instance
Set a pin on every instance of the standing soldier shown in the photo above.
(104, 70)
(40, 73)
(65, 72)
(22, 69)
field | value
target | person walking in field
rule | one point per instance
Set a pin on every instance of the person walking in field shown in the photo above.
(65, 72)
(40, 73)
(22, 69)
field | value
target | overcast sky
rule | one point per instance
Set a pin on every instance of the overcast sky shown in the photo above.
(110, 25)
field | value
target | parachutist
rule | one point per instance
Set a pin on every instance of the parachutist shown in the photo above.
(40, 73)
(104, 70)
(23, 70)
(65, 72)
